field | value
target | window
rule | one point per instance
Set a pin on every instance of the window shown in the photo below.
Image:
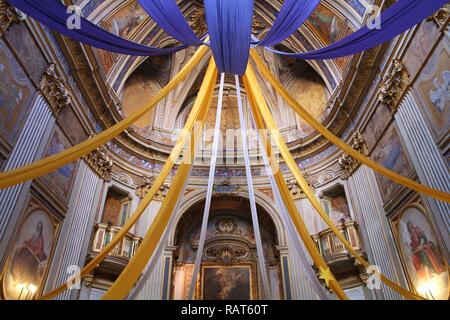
(124, 211)
(326, 203)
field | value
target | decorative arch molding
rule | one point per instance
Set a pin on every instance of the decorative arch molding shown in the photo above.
(262, 200)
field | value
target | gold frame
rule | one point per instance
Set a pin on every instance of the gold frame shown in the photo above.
(32, 205)
(253, 277)
(395, 222)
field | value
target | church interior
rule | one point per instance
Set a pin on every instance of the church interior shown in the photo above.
(326, 225)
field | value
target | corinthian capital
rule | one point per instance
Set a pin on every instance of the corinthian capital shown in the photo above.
(54, 89)
(394, 85)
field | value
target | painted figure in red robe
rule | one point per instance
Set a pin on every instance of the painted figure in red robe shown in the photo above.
(426, 257)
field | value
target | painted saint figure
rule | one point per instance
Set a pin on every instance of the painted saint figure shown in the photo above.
(425, 254)
(26, 266)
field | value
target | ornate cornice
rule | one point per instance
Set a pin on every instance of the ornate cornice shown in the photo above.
(296, 190)
(441, 17)
(54, 89)
(100, 162)
(197, 22)
(348, 163)
(9, 15)
(394, 85)
(144, 187)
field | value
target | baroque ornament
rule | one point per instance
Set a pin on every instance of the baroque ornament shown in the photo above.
(100, 162)
(296, 190)
(441, 17)
(9, 15)
(54, 89)
(145, 186)
(348, 163)
(394, 86)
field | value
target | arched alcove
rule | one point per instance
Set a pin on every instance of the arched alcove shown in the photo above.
(229, 264)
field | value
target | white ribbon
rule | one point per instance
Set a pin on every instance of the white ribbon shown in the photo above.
(159, 249)
(287, 222)
(259, 248)
(212, 171)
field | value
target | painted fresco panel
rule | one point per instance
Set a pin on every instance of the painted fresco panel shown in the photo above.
(16, 93)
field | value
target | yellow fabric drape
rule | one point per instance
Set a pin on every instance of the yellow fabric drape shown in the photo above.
(134, 268)
(196, 113)
(51, 163)
(440, 195)
(264, 111)
(253, 91)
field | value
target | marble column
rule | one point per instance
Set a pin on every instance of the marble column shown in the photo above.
(29, 147)
(153, 288)
(427, 159)
(73, 244)
(301, 289)
(374, 227)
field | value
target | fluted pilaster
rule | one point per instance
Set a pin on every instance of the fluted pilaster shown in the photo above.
(427, 159)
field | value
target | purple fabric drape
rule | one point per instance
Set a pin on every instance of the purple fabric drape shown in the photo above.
(292, 15)
(230, 27)
(401, 16)
(168, 16)
(54, 15)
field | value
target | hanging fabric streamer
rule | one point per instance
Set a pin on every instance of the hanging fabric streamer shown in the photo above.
(168, 16)
(230, 28)
(159, 250)
(209, 190)
(398, 18)
(263, 111)
(255, 97)
(196, 113)
(291, 17)
(55, 15)
(121, 287)
(440, 195)
(321, 292)
(251, 193)
(51, 163)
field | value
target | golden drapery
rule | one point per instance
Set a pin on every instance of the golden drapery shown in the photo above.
(440, 195)
(51, 163)
(197, 113)
(262, 110)
(254, 96)
(129, 276)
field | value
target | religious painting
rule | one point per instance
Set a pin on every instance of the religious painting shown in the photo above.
(125, 21)
(421, 254)
(327, 24)
(433, 86)
(105, 60)
(72, 126)
(420, 47)
(15, 95)
(139, 88)
(390, 154)
(27, 50)
(226, 283)
(28, 261)
(377, 125)
(341, 211)
(60, 181)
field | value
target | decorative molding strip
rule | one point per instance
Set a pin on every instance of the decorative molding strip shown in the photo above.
(441, 17)
(294, 188)
(348, 163)
(100, 162)
(9, 15)
(54, 89)
(146, 184)
(393, 87)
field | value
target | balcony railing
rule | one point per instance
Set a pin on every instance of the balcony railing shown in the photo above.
(329, 245)
(126, 248)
